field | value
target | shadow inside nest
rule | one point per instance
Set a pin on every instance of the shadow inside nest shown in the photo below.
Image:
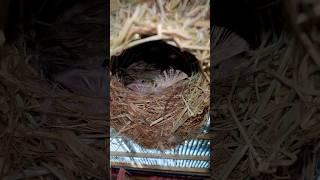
(156, 54)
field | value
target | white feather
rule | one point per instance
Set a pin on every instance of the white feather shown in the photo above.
(169, 78)
(164, 80)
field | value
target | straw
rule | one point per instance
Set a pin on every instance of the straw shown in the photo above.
(269, 125)
(180, 109)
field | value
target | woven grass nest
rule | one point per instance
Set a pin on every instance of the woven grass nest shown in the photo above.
(175, 106)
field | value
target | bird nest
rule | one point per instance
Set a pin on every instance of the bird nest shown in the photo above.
(159, 93)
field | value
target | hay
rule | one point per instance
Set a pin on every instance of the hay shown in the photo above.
(178, 110)
(266, 115)
(161, 120)
(49, 132)
(46, 129)
(184, 24)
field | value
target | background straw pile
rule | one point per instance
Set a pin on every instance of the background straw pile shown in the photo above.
(266, 114)
(179, 112)
(46, 131)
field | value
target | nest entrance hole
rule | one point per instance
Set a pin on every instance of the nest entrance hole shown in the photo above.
(156, 53)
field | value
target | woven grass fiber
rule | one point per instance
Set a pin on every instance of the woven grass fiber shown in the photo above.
(161, 120)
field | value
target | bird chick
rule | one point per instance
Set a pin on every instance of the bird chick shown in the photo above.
(164, 80)
(141, 86)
